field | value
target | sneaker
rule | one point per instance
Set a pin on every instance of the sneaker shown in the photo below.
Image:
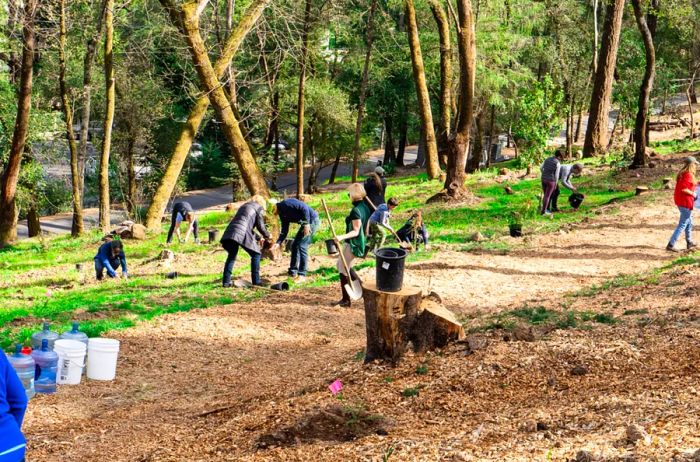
(670, 248)
(547, 214)
(299, 279)
(691, 245)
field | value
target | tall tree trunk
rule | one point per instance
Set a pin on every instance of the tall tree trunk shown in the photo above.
(196, 116)
(570, 127)
(641, 140)
(230, 9)
(426, 115)
(597, 132)
(595, 36)
(577, 136)
(131, 177)
(445, 76)
(8, 184)
(363, 93)
(389, 150)
(478, 151)
(311, 186)
(492, 128)
(300, 101)
(459, 140)
(334, 170)
(403, 135)
(88, 63)
(690, 102)
(77, 224)
(109, 118)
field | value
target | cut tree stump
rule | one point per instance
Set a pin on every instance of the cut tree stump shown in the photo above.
(395, 319)
(641, 190)
(667, 183)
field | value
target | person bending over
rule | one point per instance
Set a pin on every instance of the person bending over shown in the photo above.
(183, 211)
(379, 224)
(414, 230)
(295, 211)
(110, 256)
(566, 172)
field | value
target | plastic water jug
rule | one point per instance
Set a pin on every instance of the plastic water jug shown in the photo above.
(47, 334)
(75, 334)
(45, 372)
(25, 368)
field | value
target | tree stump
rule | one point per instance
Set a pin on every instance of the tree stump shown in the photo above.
(667, 183)
(641, 190)
(395, 319)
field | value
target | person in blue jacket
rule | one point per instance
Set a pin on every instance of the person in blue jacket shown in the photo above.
(295, 211)
(13, 404)
(110, 257)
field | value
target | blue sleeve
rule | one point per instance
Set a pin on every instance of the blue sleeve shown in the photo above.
(122, 257)
(307, 214)
(16, 396)
(284, 230)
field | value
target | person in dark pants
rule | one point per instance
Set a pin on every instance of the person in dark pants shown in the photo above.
(566, 172)
(239, 233)
(183, 211)
(550, 176)
(13, 404)
(295, 211)
(414, 231)
(375, 187)
(110, 257)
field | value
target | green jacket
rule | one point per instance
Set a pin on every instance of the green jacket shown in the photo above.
(360, 211)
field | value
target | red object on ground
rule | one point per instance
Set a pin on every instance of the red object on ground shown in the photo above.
(26, 350)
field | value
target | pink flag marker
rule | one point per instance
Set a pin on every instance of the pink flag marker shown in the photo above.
(335, 387)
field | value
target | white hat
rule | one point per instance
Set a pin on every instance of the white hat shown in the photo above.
(379, 171)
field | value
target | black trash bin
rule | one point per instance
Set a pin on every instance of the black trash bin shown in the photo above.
(575, 200)
(213, 235)
(390, 263)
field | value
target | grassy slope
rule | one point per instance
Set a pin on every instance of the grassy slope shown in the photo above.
(24, 279)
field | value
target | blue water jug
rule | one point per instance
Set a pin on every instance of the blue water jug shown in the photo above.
(45, 372)
(75, 334)
(24, 366)
(47, 334)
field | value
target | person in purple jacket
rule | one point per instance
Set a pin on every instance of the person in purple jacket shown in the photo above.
(110, 257)
(13, 404)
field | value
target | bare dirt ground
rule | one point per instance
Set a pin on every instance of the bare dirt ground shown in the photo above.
(248, 382)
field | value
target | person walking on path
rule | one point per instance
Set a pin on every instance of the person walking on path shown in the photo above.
(355, 238)
(379, 224)
(110, 256)
(550, 175)
(684, 196)
(375, 186)
(566, 172)
(183, 211)
(239, 233)
(13, 404)
(295, 211)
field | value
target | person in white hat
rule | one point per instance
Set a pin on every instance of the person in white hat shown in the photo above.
(375, 186)
(684, 196)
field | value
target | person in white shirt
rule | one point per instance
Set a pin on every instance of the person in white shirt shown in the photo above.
(566, 172)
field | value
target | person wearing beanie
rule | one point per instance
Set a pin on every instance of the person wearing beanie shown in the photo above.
(375, 187)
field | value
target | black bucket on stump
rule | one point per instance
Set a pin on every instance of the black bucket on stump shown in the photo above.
(390, 264)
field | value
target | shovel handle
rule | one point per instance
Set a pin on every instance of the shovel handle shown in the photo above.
(330, 223)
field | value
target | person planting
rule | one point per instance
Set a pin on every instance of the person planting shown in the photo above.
(375, 186)
(13, 404)
(183, 211)
(110, 256)
(295, 211)
(379, 224)
(414, 230)
(566, 172)
(550, 176)
(684, 196)
(240, 233)
(355, 238)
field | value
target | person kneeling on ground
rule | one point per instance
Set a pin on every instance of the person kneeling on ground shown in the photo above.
(110, 257)
(566, 172)
(550, 175)
(684, 197)
(183, 211)
(355, 237)
(239, 233)
(295, 211)
(414, 230)
(379, 224)
(13, 404)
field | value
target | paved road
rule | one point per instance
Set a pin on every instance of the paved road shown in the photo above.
(207, 199)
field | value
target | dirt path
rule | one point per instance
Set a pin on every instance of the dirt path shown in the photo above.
(206, 385)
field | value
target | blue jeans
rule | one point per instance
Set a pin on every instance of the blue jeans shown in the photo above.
(232, 248)
(684, 224)
(99, 269)
(300, 250)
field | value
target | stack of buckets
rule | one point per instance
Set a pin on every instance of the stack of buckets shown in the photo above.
(62, 360)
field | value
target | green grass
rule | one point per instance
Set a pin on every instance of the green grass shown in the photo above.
(673, 146)
(543, 317)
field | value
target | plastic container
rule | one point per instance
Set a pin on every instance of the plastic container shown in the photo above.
(45, 372)
(25, 368)
(280, 286)
(75, 334)
(102, 358)
(47, 334)
(390, 264)
(331, 248)
(213, 235)
(71, 361)
(515, 229)
(575, 200)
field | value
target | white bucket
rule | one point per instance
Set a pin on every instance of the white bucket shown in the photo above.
(71, 360)
(102, 358)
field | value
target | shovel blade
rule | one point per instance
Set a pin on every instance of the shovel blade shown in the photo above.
(354, 290)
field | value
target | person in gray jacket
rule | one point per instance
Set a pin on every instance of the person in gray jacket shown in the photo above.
(566, 172)
(550, 175)
(239, 233)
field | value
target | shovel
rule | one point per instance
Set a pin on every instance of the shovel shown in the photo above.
(402, 244)
(354, 289)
